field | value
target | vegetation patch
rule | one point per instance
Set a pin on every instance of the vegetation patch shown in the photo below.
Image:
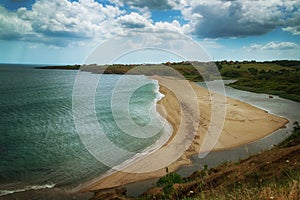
(280, 78)
(273, 174)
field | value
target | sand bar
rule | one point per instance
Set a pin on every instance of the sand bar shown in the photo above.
(243, 124)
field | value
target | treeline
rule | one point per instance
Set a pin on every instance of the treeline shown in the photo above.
(279, 77)
(285, 63)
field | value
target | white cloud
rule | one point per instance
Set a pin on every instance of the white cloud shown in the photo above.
(229, 18)
(13, 27)
(151, 4)
(241, 18)
(60, 21)
(173, 26)
(274, 46)
(134, 20)
(294, 30)
(85, 18)
(294, 23)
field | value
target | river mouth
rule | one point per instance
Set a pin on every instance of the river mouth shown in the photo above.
(278, 106)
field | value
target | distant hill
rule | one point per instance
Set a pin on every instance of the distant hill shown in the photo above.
(281, 77)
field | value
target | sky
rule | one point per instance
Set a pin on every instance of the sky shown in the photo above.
(68, 31)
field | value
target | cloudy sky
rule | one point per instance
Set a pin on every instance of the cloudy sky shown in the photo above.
(66, 31)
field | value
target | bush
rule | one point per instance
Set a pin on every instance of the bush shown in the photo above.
(169, 179)
(232, 74)
(290, 140)
(253, 71)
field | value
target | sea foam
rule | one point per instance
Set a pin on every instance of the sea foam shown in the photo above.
(27, 188)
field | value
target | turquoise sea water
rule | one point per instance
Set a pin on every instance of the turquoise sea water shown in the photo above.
(39, 144)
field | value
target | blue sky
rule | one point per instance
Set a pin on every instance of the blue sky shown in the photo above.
(66, 32)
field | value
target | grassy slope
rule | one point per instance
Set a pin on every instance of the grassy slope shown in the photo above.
(273, 174)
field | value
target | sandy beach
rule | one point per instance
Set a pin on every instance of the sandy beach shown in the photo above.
(243, 123)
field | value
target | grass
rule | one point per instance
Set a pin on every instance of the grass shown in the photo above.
(292, 139)
(276, 80)
(279, 191)
(273, 174)
(259, 66)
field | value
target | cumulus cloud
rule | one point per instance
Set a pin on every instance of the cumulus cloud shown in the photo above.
(153, 4)
(229, 18)
(173, 26)
(294, 30)
(241, 18)
(12, 27)
(274, 46)
(85, 18)
(134, 20)
(294, 24)
(61, 22)
(49, 21)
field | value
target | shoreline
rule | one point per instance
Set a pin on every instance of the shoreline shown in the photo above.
(240, 117)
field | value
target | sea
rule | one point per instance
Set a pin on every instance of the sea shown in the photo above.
(40, 147)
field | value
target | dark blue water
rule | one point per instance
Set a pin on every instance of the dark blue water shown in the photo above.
(39, 145)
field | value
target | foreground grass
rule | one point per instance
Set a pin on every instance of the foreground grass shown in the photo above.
(279, 191)
(285, 187)
(273, 174)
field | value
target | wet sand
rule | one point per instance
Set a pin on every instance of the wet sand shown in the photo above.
(191, 110)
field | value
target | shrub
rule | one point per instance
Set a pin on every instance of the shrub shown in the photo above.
(170, 178)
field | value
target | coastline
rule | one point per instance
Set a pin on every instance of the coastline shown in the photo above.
(243, 124)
